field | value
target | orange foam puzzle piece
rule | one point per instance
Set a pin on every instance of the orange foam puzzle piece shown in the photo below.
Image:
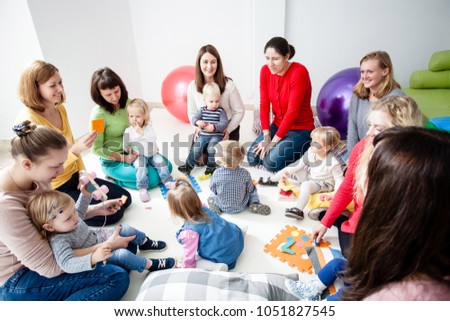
(98, 125)
(277, 247)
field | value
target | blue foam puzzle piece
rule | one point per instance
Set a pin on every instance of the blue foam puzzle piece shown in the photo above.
(194, 184)
(286, 246)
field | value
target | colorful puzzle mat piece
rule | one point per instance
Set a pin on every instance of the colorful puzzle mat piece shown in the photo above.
(194, 184)
(289, 246)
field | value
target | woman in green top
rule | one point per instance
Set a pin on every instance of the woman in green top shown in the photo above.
(111, 96)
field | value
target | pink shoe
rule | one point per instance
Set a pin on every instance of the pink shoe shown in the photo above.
(169, 184)
(143, 194)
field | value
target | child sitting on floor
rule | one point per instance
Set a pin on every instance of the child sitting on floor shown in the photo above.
(78, 248)
(213, 121)
(318, 170)
(231, 185)
(209, 241)
(140, 138)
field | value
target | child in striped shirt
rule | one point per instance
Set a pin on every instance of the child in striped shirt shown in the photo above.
(213, 120)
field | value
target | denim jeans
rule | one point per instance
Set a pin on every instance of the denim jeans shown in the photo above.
(202, 142)
(127, 258)
(157, 162)
(285, 152)
(104, 283)
(330, 272)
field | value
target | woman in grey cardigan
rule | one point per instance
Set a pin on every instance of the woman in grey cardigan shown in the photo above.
(377, 80)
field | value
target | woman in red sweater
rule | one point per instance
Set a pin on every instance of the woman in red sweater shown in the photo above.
(285, 90)
(392, 111)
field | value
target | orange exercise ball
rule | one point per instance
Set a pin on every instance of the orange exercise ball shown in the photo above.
(174, 91)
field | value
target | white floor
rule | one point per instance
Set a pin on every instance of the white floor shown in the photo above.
(154, 218)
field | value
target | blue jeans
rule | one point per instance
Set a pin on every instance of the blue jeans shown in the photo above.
(157, 162)
(127, 258)
(329, 273)
(125, 174)
(104, 283)
(202, 142)
(285, 152)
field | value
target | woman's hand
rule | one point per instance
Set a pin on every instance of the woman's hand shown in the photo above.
(319, 231)
(119, 242)
(196, 133)
(84, 143)
(256, 122)
(226, 134)
(265, 146)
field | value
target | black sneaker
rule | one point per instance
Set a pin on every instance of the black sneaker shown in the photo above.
(209, 170)
(259, 208)
(162, 264)
(152, 245)
(294, 212)
(268, 182)
(185, 169)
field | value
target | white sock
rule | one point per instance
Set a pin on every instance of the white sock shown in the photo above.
(211, 266)
(320, 286)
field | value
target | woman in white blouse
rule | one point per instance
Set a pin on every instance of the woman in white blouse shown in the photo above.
(208, 68)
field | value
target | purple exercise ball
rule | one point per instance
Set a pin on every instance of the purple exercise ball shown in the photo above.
(333, 101)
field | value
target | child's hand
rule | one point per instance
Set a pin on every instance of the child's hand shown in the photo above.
(138, 128)
(130, 158)
(209, 128)
(200, 123)
(325, 197)
(101, 253)
(117, 241)
(109, 207)
(83, 190)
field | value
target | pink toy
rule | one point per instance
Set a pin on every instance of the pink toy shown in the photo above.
(98, 192)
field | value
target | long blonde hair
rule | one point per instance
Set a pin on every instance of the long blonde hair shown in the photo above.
(184, 202)
(387, 84)
(400, 111)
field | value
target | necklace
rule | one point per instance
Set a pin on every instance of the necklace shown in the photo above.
(15, 183)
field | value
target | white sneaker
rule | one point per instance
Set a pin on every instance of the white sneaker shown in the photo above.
(304, 291)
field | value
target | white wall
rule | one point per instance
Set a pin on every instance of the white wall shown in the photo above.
(333, 35)
(143, 40)
(169, 34)
(81, 36)
(20, 46)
